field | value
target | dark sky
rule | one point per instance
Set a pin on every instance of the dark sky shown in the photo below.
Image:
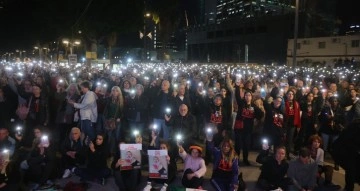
(22, 22)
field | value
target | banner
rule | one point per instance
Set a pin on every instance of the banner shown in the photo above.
(130, 154)
(72, 59)
(158, 165)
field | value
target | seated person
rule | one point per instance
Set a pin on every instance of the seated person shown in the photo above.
(194, 167)
(273, 171)
(73, 152)
(172, 168)
(41, 163)
(225, 168)
(126, 179)
(302, 172)
(317, 154)
(24, 149)
(96, 168)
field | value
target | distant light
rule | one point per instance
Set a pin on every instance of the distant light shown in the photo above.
(129, 60)
(77, 42)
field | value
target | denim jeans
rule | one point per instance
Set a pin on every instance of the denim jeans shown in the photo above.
(166, 129)
(326, 138)
(88, 129)
(114, 137)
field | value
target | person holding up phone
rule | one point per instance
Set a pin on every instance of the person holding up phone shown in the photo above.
(194, 166)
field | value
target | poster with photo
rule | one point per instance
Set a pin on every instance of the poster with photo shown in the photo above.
(158, 165)
(130, 154)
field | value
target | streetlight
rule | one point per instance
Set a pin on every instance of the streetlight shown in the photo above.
(71, 44)
(296, 28)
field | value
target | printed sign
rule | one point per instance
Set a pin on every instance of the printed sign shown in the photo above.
(158, 165)
(130, 154)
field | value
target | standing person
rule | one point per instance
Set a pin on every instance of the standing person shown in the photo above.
(113, 114)
(309, 118)
(162, 105)
(65, 111)
(346, 153)
(303, 171)
(38, 110)
(332, 122)
(194, 167)
(136, 108)
(87, 109)
(273, 171)
(182, 97)
(244, 124)
(292, 121)
(225, 170)
(183, 124)
(274, 122)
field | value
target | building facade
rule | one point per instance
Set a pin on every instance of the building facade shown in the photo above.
(325, 50)
(266, 39)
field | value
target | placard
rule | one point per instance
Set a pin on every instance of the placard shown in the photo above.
(158, 165)
(130, 154)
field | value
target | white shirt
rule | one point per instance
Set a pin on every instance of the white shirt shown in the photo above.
(88, 107)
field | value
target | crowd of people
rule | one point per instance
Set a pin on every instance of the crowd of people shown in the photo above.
(60, 121)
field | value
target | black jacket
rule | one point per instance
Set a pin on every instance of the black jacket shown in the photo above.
(136, 105)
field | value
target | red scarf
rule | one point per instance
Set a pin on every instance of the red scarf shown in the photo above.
(296, 109)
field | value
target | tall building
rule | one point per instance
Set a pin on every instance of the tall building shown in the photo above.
(226, 9)
(210, 11)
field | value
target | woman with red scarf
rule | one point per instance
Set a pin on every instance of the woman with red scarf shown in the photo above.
(292, 121)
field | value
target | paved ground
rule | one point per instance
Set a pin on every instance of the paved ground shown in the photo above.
(250, 174)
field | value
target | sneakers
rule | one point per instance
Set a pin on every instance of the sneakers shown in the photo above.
(148, 187)
(164, 187)
(66, 174)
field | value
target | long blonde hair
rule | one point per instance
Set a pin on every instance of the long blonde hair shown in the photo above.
(120, 98)
(232, 154)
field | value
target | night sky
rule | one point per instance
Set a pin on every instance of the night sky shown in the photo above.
(26, 22)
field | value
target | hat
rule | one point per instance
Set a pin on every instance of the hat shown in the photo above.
(195, 147)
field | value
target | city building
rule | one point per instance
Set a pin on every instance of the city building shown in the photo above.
(226, 9)
(265, 39)
(255, 31)
(325, 50)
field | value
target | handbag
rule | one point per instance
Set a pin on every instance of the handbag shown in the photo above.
(110, 124)
(22, 111)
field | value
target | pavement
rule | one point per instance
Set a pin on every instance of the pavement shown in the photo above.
(250, 175)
